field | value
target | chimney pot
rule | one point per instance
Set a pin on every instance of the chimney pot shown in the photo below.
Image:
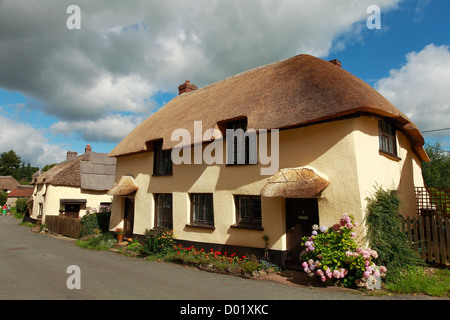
(187, 86)
(87, 149)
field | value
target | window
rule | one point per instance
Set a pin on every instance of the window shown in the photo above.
(162, 161)
(248, 212)
(241, 144)
(388, 143)
(202, 211)
(163, 205)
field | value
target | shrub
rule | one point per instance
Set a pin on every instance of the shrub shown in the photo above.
(333, 254)
(157, 241)
(385, 233)
(21, 205)
(134, 245)
(103, 242)
(93, 221)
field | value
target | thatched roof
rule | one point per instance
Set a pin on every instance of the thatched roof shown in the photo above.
(8, 183)
(298, 91)
(294, 183)
(91, 171)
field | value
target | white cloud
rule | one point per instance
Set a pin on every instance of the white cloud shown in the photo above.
(111, 128)
(29, 143)
(127, 52)
(104, 75)
(420, 88)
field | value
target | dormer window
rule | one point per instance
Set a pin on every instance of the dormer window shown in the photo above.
(162, 160)
(241, 144)
(388, 141)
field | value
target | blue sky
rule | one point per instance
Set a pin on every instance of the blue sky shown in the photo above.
(61, 89)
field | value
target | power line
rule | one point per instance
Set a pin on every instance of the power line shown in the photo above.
(438, 149)
(435, 130)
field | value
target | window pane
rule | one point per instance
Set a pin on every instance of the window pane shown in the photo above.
(256, 208)
(164, 210)
(198, 212)
(245, 208)
(209, 209)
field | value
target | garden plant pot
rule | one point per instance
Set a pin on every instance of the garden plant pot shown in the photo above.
(119, 237)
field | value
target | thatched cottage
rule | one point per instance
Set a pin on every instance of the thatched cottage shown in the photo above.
(21, 192)
(331, 138)
(7, 183)
(75, 186)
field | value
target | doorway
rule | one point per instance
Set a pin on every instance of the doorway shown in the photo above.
(128, 217)
(301, 215)
(72, 210)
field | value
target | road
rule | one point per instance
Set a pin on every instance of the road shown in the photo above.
(34, 267)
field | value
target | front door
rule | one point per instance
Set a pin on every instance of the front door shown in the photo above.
(301, 215)
(72, 210)
(128, 217)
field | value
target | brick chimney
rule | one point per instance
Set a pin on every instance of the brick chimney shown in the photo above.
(336, 62)
(87, 149)
(187, 86)
(71, 154)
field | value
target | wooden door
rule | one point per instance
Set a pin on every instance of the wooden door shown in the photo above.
(128, 217)
(301, 215)
(72, 210)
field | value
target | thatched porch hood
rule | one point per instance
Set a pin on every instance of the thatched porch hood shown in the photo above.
(301, 90)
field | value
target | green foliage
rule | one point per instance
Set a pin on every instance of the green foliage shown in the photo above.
(99, 243)
(93, 221)
(11, 165)
(422, 281)
(439, 198)
(134, 245)
(21, 205)
(3, 198)
(333, 254)
(385, 233)
(436, 173)
(158, 240)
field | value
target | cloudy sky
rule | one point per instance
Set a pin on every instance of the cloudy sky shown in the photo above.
(63, 88)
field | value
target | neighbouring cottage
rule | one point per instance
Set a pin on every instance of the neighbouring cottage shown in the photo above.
(336, 138)
(75, 186)
(21, 192)
(7, 183)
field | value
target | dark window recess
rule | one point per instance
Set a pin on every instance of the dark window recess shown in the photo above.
(202, 209)
(164, 210)
(387, 138)
(241, 145)
(248, 212)
(162, 161)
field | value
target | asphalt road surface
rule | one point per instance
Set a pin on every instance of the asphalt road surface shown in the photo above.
(35, 267)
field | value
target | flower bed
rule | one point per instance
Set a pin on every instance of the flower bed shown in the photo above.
(160, 245)
(222, 262)
(333, 255)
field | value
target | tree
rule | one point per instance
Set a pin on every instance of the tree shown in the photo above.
(436, 173)
(9, 163)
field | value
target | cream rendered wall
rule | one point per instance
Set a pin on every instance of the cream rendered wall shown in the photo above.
(375, 168)
(328, 148)
(50, 196)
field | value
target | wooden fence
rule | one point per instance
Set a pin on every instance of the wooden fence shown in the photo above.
(430, 236)
(66, 226)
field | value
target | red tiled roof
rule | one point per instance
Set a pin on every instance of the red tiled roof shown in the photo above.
(21, 192)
